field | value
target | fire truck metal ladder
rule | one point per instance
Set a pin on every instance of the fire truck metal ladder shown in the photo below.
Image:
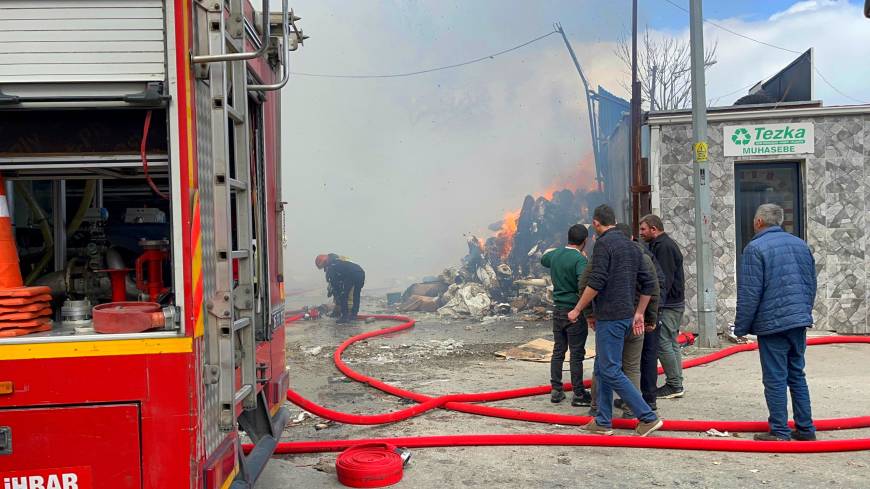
(230, 323)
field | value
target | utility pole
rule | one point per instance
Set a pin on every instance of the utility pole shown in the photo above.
(652, 91)
(636, 164)
(709, 337)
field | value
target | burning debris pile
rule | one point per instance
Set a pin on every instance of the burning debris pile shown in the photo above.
(503, 274)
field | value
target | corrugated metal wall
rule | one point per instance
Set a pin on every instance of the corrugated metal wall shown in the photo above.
(82, 41)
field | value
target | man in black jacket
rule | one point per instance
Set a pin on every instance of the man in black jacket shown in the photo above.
(672, 304)
(346, 280)
(615, 276)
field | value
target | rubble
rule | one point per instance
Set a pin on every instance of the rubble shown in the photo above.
(419, 303)
(466, 300)
(503, 275)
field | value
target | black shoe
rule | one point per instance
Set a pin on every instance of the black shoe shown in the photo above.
(582, 400)
(669, 392)
(619, 403)
(342, 321)
(556, 396)
(768, 437)
(798, 436)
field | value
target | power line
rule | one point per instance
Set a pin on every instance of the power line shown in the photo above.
(430, 70)
(744, 36)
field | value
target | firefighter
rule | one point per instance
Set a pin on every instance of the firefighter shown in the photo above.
(345, 280)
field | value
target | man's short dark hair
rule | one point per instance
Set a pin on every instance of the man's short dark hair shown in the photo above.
(577, 234)
(604, 215)
(653, 221)
(624, 229)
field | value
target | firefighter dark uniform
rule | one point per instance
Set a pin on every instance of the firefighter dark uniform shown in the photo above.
(345, 280)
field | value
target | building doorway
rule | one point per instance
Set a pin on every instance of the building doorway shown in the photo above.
(767, 183)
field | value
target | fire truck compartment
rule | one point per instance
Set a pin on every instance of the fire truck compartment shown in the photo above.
(90, 199)
(97, 446)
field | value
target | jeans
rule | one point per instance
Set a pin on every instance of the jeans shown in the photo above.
(631, 353)
(649, 366)
(669, 350)
(568, 336)
(782, 366)
(610, 337)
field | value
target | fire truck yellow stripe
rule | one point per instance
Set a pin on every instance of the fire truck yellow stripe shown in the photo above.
(185, 42)
(196, 268)
(96, 348)
(229, 480)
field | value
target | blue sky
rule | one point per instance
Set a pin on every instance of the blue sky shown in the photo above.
(661, 15)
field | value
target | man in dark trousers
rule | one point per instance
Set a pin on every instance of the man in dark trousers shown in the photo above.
(633, 351)
(566, 265)
(346, 280)
(776, 290)
(614, 275)
(672, 305)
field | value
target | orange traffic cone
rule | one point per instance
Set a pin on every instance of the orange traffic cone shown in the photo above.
(10, 272)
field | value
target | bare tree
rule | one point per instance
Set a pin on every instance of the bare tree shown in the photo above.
(663, 69)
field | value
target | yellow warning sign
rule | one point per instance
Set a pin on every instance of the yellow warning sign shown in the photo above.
(700, 152)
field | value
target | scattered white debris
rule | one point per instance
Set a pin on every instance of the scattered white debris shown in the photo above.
(301, 417)
(715, 432)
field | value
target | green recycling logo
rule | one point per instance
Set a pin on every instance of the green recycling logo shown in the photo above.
(741, 136)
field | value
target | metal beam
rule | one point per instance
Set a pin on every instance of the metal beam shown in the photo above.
(589, 102)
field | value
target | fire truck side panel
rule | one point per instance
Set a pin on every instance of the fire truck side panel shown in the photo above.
(96, 442)
(156, 387)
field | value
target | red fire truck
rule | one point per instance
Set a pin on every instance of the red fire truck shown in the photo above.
(140, 147)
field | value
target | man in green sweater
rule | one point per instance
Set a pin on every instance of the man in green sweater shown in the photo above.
(566, 265)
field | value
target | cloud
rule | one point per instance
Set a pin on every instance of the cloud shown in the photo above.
(836, 30)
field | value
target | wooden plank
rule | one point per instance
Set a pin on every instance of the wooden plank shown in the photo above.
(82, 47)
(538, 350)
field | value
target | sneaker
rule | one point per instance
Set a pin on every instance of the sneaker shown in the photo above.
(768, 437)
(645, 428)
(799, 436)
(582, 400)
(669, 392)
(556, 396)
(592, 412)
(592, 427)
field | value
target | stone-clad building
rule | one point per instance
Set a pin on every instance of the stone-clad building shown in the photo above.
(758, 154)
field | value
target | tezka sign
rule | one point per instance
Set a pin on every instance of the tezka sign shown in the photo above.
(769, 139)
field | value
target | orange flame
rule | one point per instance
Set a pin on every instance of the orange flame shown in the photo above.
(507, 232)
(580, 178)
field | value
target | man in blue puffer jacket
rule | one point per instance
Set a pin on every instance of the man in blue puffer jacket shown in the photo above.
(776, 289)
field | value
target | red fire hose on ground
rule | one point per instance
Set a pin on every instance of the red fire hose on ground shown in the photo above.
(460, 402)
